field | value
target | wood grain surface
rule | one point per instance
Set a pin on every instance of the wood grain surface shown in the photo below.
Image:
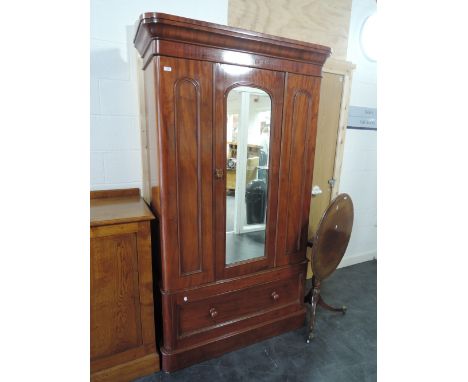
(327, 131)
(315, 21)
(168, 35)
(105, 211)
(190, 67)
(186, 162)
(116, 193)
(272, 83)
(301, 101)
(331, 132)
(115, 311)
(123, 345)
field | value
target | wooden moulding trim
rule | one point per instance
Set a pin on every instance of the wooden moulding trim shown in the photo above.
(114, 229)
(129, 371)
(112, 222)
(225, 56)
(101, 194)
(247, 280)
(124, 357)
(160, 26)
(181, 358)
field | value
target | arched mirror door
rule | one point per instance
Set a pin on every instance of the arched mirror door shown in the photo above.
(247, 134)
(247, 153)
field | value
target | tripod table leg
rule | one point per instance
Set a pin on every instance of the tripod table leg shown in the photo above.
(315, 299)
(323, 304)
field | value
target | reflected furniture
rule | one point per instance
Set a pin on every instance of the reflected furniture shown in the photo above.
(123, 345)
(328, 248)
(252, 171)
(210, 305)
(253, 150)
(231, 179)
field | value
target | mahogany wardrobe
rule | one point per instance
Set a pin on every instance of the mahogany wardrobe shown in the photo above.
(231, 120)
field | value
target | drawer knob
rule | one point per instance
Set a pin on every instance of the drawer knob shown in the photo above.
(275, 296)
(213, 312)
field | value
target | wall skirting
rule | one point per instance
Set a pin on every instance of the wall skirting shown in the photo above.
(351, 260)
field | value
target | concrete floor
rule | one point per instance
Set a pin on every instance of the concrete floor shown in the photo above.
(244, 246)
(344, 348)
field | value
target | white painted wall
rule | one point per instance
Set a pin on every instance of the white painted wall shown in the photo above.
(359, 171)
(115, 126)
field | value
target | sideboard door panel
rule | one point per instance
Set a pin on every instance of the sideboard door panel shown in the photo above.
(297, 163)
(187, 171)
(115, 308)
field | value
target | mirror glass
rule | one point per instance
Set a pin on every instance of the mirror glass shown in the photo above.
(247, 156)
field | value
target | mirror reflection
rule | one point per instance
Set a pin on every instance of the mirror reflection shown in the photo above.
(247, 153)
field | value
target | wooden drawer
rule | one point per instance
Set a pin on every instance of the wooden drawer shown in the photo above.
(199, 315)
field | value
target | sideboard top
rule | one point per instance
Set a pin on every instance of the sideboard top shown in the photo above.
(160, 26)
(116, 207)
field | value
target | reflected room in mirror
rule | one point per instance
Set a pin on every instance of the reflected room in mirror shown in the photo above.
(247, 156)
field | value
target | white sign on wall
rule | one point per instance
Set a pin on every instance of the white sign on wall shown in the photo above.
(362, 118)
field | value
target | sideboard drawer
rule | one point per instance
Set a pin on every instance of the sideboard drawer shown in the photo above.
(200, 315)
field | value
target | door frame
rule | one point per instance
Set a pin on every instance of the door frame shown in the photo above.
(345, 69)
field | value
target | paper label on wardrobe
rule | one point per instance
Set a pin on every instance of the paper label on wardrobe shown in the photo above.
(167, 69)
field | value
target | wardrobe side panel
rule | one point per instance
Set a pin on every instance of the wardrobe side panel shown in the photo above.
(152, 149)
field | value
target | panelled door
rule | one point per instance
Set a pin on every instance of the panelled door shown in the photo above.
(186, 132)
(328, 124)
(327, 132)
(297, 162)
(247, 117)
